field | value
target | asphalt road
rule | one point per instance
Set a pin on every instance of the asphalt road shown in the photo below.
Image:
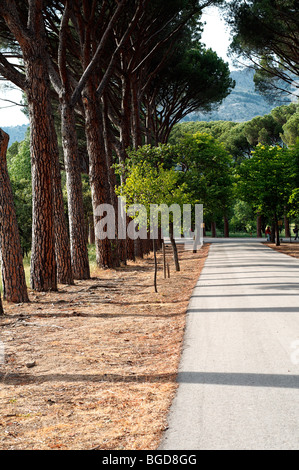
(238, 376)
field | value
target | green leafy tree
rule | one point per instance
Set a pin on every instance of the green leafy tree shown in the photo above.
(148, 185)
(207, 170)
(267, 181)
(283, 113)
(294, 198)
(243, 218)
(19, 168)
(262, 129)
(195, 80)
(291, 130)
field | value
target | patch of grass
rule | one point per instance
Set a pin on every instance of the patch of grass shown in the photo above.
(26, 262)
(92, 257)
(233, 234)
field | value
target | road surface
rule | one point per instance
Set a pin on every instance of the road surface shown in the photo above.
(238, 376)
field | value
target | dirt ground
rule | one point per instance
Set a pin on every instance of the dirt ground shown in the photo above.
(94, 366)
(291, 249)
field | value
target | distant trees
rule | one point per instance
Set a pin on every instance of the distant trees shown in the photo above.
(207, 171)
(201, 166)
(267, 181)
(291, 130)
(195, 79)
(278, 129)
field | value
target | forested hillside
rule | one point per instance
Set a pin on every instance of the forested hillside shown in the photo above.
(243, 104)
(16, 133)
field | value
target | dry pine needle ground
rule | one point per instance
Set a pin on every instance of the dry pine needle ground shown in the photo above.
(291, 249)
(94, 365)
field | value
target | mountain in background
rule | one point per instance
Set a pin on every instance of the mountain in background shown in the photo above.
(243, 104)
(16, 133)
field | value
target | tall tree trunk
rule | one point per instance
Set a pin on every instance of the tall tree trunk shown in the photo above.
(98, 170)
(148, 126)
(226, 227)
(138, 248)
(287, 227)
(119, 250)
(35, 83)
(155, 265)
(91, 230)
(273, 228)
(62, 241)
(259, 226)
(213, 229)
(43, 262)
(130, 249)
(13, 274)
(277, 238)
(79, 252)
(174, 248)
(136, 122)
(1, 307)
(125, 125)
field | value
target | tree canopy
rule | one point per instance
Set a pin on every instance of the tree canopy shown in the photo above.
(265, 33)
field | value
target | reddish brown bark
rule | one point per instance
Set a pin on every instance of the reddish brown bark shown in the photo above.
(98, 171)
(174, 248)
(79, 252)
(213, 229)
(138, 248)
(62, 242)
(130, 249)
(43, 263)
(13, 275)
(119, 251)
(91, 235)
(226, 227)
(287, 227)
(35, 83)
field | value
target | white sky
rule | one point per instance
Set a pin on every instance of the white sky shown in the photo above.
(215, 36)
(11, 115)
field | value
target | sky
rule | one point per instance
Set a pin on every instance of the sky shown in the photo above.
(215, 36)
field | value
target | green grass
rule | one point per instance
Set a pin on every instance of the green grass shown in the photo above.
(92, 257)
(244, 234)
(233, 234)
(26, 262)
